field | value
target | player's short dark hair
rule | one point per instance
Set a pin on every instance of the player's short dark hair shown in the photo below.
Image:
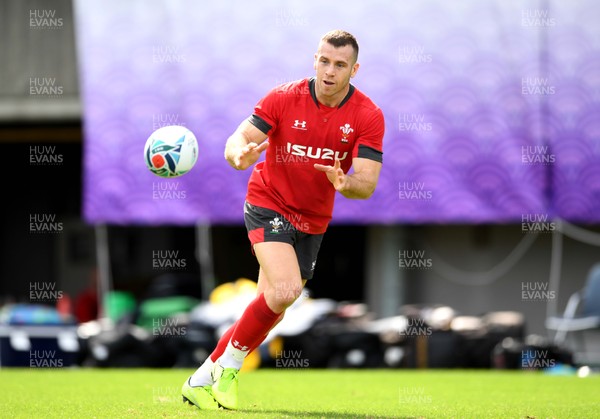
(339, 38)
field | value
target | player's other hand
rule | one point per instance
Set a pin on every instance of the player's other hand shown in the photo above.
(247, 155)
(334, 173)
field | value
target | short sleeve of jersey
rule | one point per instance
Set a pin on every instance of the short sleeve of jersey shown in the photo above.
(370, 143)
(267, 112)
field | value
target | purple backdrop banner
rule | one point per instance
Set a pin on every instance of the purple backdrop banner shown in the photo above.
(492, 108)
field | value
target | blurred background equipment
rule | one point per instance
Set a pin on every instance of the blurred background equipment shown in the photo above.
(37, 336)
(581, 316)
(149, 332)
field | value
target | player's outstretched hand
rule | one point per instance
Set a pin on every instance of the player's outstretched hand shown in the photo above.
(334, 173)
(248, 155)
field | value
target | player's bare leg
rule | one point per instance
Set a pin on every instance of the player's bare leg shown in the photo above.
(202, 376)
(262, 286)
(281, 284)
(201, 381)
(282, 281)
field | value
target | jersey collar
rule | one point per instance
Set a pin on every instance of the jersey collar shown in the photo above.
(311, 86)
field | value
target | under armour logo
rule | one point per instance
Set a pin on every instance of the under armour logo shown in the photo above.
(299, 124)
(237, 345)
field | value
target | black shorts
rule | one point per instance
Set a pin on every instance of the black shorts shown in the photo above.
(265, 225)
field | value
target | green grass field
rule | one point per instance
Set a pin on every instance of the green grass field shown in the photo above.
(265, 393)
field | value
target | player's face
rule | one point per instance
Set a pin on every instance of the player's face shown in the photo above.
(335, 67)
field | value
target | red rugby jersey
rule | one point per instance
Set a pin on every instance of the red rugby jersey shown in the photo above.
(303, 132)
